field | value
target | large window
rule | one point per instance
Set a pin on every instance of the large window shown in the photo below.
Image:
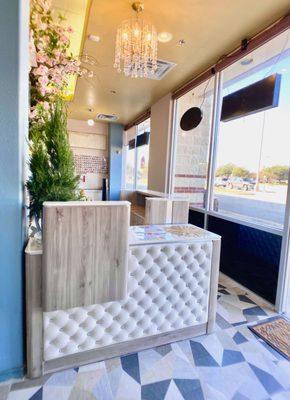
(192, 147)
(142, 149)
(129, 167)
(136, 157)
(235, 170)
(253, 155)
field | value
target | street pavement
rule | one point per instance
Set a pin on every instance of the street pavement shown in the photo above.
(268, 206)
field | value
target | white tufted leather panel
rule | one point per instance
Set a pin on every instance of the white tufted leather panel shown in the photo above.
(167, 290)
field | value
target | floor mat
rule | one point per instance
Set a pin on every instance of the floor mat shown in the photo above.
(275, 332)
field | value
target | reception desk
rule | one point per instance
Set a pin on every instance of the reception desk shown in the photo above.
(172, 281)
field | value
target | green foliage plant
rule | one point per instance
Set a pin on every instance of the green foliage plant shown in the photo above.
(51, 161)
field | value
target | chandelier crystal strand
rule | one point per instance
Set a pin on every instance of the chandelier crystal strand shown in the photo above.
(136, 48)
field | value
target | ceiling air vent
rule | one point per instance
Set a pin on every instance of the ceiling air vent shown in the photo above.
(163, 67)
(107, 117)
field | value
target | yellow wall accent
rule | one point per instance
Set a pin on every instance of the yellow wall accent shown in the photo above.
(76, 15)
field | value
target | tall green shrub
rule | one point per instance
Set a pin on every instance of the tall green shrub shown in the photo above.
(51, 162)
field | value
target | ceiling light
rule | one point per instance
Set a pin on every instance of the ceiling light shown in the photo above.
(86, 64)
(91, 122)
(181, 42)
(246, 61)
(94, 38)
(164, 37)
(136, 46)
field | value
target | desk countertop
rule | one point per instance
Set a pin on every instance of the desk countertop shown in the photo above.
(183, 233)
(150, 234)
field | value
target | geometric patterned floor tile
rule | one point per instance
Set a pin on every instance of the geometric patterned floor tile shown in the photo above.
(155, 391)
(37, 395)
(114, 380)
(201, 356)
(254, 311)
(103, 388)
(128, 388)
(160, 371)
(65, 378)
(183, 350)
(130, 364)
(214, 347)
(245, 299)
(173, 392)
(267, 380)
(281, 396)
(190, 389)
(54, 392)
(4, 391)
(239, 338)
(163, 350)
(231, 357)
(229, 364)
(24, 394)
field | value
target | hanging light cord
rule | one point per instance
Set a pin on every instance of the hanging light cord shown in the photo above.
(205, 89)
(213, 72)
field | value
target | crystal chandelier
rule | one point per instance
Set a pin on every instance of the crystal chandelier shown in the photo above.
(136, 46)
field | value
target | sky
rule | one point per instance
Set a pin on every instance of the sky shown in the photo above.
(240, 140)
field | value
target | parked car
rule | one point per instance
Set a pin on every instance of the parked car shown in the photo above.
(221, 182)
(241, 183)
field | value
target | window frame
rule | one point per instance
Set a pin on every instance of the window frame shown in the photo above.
(125, 151)
(208, 210)
(124, 165)
(283, 287)
(173, 144)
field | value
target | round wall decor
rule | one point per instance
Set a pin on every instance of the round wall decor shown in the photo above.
(191, 119)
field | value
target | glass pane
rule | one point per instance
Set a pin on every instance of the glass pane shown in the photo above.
(130, 168)
(253, 151)
(142, 166)
(143, 157)
(192, 147)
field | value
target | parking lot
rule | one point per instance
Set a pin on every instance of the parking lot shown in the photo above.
(267, 204)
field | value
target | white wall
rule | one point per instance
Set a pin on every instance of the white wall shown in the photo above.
(90, 147)
(78, 141)
(192, 147)
(160, 139)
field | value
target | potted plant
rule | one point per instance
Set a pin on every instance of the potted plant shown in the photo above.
(52, 173)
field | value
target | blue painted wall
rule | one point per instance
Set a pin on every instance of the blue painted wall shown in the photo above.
(13, 127)
(115, 154)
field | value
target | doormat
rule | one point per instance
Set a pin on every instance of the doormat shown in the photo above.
(276, 332)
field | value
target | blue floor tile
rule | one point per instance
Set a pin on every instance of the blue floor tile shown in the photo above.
(267, 380)
(155, 391)
(258, 311)
(239, 338)
(130, 364)
(232, 357)
(37, 395)
(190, 389)
(201, 356)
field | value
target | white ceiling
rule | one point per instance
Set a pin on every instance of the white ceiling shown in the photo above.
(210, 29)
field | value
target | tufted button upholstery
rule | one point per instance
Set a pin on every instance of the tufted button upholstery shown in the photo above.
(167, 290)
